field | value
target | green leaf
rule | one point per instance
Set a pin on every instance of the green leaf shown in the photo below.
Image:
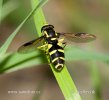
(16, 61)
(39, 18)
(63, 78)
(1, 4)
(8, 7)
(9, 40)
(66, 84)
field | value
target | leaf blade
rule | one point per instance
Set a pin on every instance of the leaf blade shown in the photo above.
(5, 46)
(16, 61)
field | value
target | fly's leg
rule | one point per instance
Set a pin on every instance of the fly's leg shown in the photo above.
(64, 43)
(60, 42)
(43, 47)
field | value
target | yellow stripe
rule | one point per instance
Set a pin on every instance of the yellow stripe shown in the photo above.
(60, 44)
(49, 46)
(60, 50)
(60, 41)
(45, 32)
(56, 33)
(58, 65)
(54, 60)
(52, 52)
(62, 58)
(53, 38)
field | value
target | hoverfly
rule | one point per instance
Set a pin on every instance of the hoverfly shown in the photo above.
(54, 44)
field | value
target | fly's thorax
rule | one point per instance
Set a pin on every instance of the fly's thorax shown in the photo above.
(49, 33)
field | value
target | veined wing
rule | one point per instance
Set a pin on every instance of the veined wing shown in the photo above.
(78, 37)
(31, 45)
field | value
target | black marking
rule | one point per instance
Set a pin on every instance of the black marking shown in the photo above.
(55, 47)
(58, 61)
(59, 68)
(57, 53)
(26, 44)
(56, 56)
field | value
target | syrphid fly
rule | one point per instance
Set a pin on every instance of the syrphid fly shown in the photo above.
(54, 44)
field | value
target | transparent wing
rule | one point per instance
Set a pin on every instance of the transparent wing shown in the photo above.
(78, 37)
(31, 45)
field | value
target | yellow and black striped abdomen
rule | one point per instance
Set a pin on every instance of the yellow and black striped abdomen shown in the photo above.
(56, 54)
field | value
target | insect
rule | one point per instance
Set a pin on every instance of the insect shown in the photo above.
(54, 45)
